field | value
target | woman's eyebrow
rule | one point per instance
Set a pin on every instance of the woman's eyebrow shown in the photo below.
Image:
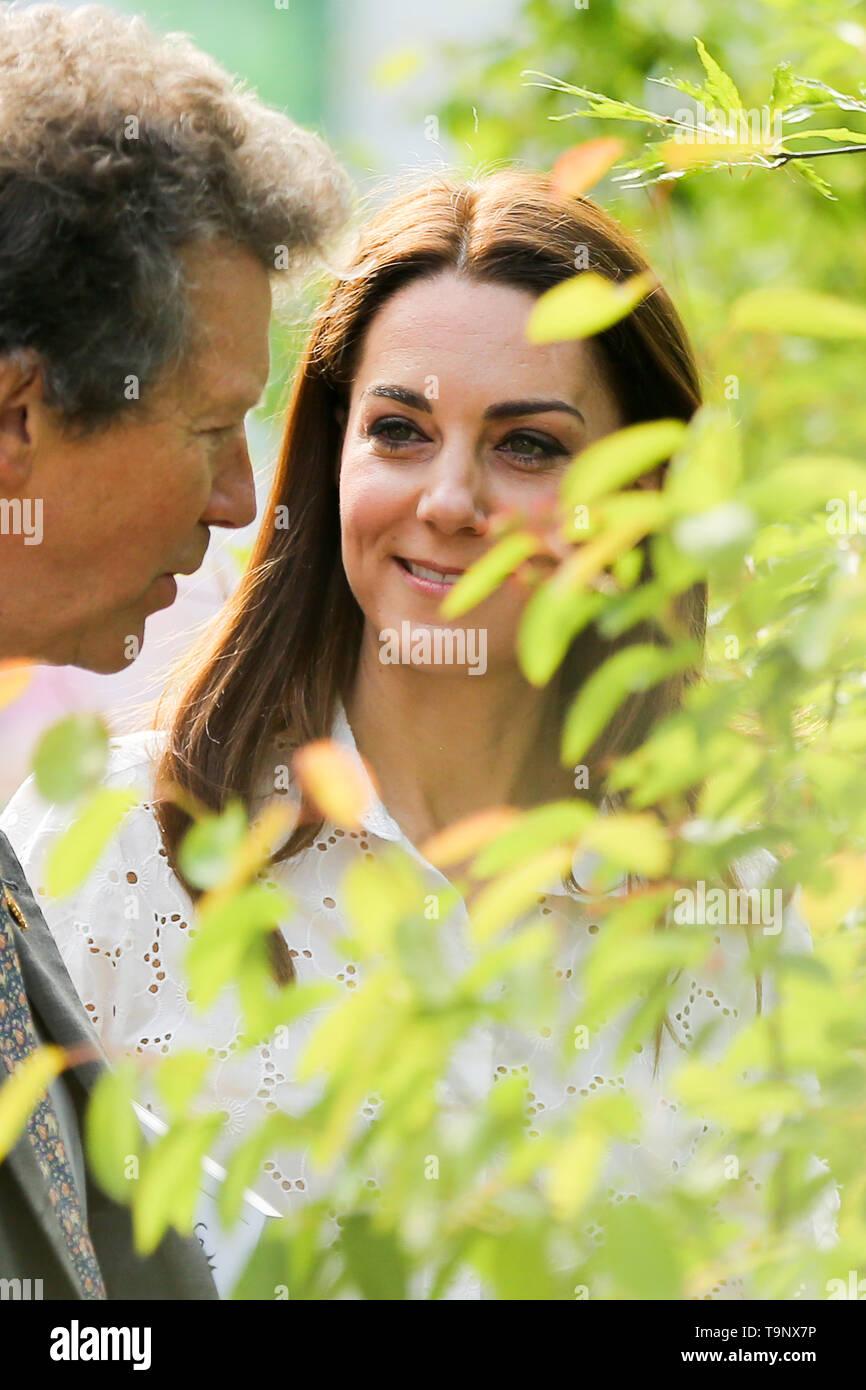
(403, 395)
(509, 408)
(503, 410)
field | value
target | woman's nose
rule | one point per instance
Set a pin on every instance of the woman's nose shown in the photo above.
(453, 497)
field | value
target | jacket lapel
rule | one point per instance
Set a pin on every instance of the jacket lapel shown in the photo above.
(52, 996)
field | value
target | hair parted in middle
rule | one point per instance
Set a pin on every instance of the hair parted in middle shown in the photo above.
(284, 650)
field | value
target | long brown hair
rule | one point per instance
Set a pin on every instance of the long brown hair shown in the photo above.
(284, 650)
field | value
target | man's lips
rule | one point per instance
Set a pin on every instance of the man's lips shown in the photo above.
(164, 589)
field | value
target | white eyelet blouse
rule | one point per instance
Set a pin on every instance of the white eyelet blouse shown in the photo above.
(123, 935)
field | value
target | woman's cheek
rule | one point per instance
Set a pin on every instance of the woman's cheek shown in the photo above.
(371, 503)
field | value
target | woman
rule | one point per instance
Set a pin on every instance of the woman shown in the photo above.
(419, 413)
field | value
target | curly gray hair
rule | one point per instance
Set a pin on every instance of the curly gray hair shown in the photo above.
(118, 148)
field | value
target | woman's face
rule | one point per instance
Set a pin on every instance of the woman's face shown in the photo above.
(453, 417)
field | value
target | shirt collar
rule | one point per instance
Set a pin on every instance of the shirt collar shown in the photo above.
(374, 818)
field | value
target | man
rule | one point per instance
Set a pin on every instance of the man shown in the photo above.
(146, 205)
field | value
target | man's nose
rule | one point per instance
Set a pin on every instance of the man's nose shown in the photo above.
(232, 502)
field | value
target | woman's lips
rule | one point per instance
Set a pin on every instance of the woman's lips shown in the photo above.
(422, 583)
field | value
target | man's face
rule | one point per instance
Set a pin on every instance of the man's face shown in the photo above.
(130, 506)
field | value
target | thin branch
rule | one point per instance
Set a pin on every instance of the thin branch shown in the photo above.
(814, 154)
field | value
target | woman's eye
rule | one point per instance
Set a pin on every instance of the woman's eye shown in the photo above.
(535, 448)
(393, 432)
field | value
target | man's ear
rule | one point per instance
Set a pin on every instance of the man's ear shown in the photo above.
(21, 390)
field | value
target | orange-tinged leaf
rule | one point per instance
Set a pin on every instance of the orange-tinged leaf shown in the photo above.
(583, 165)
(15, 676)
(466, 837)
(334, 781)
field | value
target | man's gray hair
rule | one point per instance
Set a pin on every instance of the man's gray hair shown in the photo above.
(118, 149)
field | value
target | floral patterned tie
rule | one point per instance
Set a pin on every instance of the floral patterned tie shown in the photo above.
(17, 1041)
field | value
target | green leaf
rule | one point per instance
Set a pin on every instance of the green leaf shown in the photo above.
(517, 1264)
(488, 573)
(682, 84)
(75, 854)
(640, 1253)
(21, 1091)
(375, 1259)
(502, 901)
(784, 87)
(730, 524)
(721, 88)
(227, 928)
(170, 1181)
(70, 757)
(574, 1172)
(585, 305)
(638, 843)
(803, 312)
(708, 466)
(379, 893)
(843, 100)
(620, 458)
(179, 1078)
(839, 133)
(542, 828)
(209, 847)
(803, 170)
(269, 1012)
(638, 667)
(600, 105)
(805, 484)
(551, 620)
(113, 1134)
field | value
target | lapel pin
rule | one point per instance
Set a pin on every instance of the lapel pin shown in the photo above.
(14, 910)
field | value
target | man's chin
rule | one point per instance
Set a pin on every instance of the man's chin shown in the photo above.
(107, 653)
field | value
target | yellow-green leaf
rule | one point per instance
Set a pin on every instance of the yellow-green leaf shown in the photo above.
(78, 850)
(620, 458)
(635, 668)
(638, 842)
(488, 573)
(114, 1138)
(585, 305)
(70, 757)
(21, 1091)
(804, 312)
(502, 901)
